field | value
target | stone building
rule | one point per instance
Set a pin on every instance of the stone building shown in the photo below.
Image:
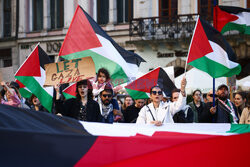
(158, 30)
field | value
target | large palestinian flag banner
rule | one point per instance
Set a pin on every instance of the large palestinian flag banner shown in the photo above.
(41, 139)
(228, 18)
(32, 75)
(140, 88)
(86, 38)
(210, 52)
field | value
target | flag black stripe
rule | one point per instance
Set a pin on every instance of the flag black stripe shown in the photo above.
(35, 138)
(216, 37)
(128, 56)
(28, 120)
(233, 10)
(165, 83)
(43, 57)
(20, 148)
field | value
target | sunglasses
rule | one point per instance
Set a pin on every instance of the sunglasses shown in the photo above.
(107, 96)
(211, 95)
(157, 92)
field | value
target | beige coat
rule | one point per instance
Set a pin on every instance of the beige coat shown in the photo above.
(245, 116)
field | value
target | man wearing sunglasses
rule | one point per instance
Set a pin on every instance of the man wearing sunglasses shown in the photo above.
(159, 112)
(108, 106)
(224, 110)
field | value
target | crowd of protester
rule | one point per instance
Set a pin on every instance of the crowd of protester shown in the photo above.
(96, 101)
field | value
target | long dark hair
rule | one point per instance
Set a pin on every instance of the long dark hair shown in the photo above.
(197, 90)
(242, 94)
(90, 89)
(244, 97)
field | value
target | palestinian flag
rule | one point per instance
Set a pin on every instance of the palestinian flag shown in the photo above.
(140, 88)
(86, 38)
(41, 139)
(228, 18)
(210, 52)
(23, 90)
(70, 91)
(32, 75)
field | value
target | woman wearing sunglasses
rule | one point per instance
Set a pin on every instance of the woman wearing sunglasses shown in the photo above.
(158, 112)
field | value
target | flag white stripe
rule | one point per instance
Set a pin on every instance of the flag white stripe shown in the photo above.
(220, 56)
(41, 81)
(244, 18)
(109, 51)
(27, 89)
(128, 129)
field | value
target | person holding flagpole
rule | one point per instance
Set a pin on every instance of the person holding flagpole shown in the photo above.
(224, 110)
(158, 112)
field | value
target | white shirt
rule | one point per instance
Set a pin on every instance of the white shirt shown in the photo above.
(164, 113)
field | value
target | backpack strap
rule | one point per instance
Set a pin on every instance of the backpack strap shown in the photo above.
(151, 113)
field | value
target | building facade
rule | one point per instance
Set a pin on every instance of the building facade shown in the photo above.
(158, 30)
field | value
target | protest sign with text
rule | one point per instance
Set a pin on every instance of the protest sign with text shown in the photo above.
(69, 71)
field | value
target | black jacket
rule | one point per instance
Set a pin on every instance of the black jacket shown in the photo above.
(71, 108)
(180, 117)
(131, 114)
(222, 114)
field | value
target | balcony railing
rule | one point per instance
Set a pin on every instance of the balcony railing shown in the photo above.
(180, 26)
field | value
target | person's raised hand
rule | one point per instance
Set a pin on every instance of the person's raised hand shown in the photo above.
(183, 86)
(57, 86)
(3, 83)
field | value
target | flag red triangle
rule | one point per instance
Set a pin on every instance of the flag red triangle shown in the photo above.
(145, 82)
(71, 90)
(80, 35)
(221, 18)
(200, 45)
(31, 67)
(20, 84)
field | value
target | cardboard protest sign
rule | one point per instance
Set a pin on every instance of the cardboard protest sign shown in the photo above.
(69, 71)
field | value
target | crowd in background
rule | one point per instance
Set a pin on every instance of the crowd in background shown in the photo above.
(96, 101)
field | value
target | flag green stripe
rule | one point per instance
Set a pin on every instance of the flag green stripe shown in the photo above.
(213, 68)
(25, 93)
(44, 97)
(68, 96)
(242, 28)
(118, 75)
(239, 128)
(137, 94)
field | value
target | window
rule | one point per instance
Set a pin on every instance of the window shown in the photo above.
(168, 8)
(5, 58)
(7, 18)
(37, 15)
(205, 8)
(124, 10)
(102, 11)
(56, 13)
